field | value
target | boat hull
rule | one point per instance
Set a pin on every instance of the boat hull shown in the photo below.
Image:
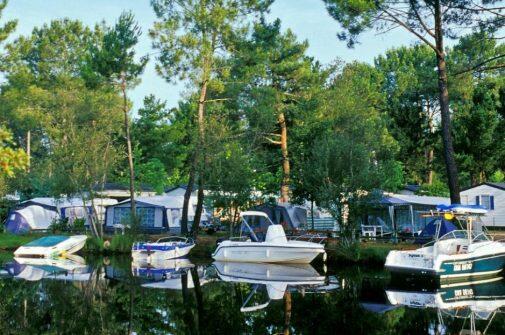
(159, 255)
(486, 262)
(263, 252)
(69, 246)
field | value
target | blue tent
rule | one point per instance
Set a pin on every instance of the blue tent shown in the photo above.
(430, 231)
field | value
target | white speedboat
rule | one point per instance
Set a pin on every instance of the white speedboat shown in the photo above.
(273, 247)
(163, 249)
(52, 246)
(275, 278)
(457, 255)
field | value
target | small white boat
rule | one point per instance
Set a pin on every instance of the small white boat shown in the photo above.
(457, 255)
(274, 247)
(162, 249)
(52, 246)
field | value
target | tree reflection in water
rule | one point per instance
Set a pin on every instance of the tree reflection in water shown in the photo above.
(110, 299)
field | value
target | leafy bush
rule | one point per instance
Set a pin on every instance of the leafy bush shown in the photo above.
(79, 225)
(94, 245)
(348, 250)
(59, 225)
(122, 243)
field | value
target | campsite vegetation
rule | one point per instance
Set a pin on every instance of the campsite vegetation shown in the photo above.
(260, 120)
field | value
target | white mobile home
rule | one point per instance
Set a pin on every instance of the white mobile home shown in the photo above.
(492, 197)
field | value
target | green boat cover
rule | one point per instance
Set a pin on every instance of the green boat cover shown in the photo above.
(48, 241)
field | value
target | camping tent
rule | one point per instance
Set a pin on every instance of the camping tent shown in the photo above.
(437, 227)
(289, 215)
(31, 217)
(157, 213)
(39, 213)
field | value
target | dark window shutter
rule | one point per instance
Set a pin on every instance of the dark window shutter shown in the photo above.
(491, 201)
(477, 200)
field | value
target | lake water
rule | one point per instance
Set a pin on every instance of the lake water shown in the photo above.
(113, 296)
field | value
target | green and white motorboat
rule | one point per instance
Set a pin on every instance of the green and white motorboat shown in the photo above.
(457, 255)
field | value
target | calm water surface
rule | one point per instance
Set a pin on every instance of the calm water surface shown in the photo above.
(113, 296)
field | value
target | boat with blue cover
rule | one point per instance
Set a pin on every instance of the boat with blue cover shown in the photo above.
(457, 255)
(164, 248)
(52, 246)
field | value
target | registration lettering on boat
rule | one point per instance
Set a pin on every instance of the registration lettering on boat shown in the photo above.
(463, 266)
(467, 292)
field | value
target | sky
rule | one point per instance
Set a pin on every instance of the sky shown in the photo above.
(308, 19)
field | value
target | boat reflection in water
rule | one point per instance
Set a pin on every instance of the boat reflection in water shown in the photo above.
(276, 279)
(166, 274)
(472, 301)
(71, 268)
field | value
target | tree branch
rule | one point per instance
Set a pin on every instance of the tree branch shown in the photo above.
(272, 141)
(421, 37)
(416, 13)
(475, 67)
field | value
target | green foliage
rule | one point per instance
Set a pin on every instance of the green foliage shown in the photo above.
(411, 91)
(60, 226)
(12, 160)
(94, 245)
(79, 225)
(152, 173)
(497, 177)
(113, 57)
(350, 153)
(122, 243)
(10, 241)
(436, 188)
(8, 27)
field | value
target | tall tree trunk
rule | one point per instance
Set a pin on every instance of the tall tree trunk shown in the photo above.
(429, 162)
(199, 209)
(130, 151)
(94, 230)
(187, 197)
(450, 162)
(285, 192)
(29, 147)
(201, 156)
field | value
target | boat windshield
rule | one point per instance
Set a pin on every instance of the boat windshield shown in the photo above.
(463, 234)
(255, 227)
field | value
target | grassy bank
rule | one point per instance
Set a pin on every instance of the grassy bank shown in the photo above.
(367, 253)
(11, 242)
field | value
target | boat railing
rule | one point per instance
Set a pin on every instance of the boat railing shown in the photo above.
(315, 238)
(175, 239)
(460, 234)
(242, 238)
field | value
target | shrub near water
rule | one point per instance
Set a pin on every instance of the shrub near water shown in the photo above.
(118, 244)
(122, 243)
